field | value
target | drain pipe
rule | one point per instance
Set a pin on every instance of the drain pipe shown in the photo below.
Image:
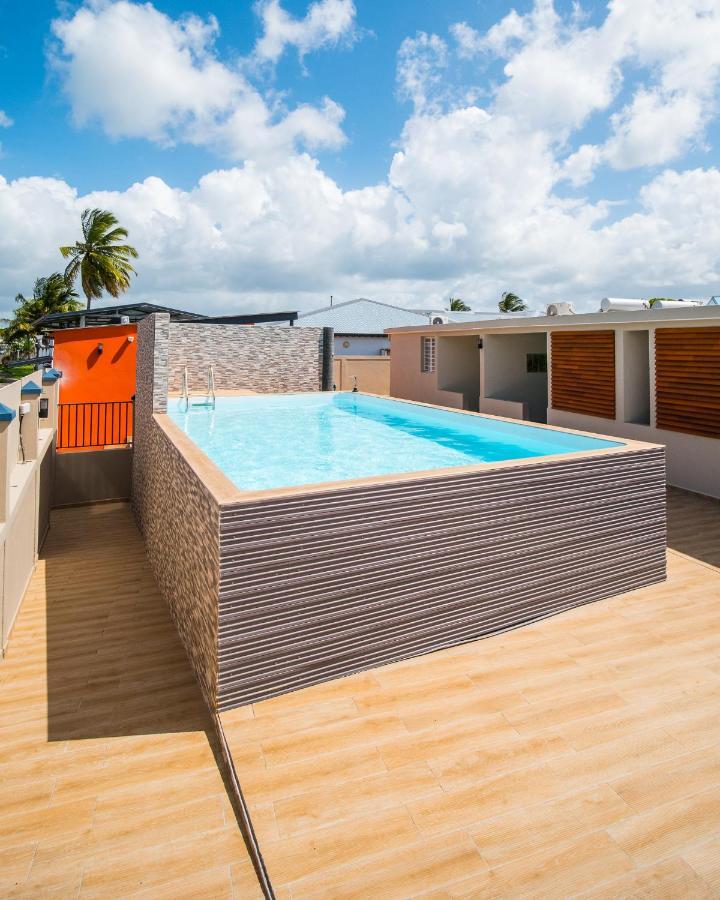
(326, 380)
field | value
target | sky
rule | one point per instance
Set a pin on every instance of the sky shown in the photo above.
(266, 155)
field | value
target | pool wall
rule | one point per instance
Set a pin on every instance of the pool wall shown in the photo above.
(276, 591)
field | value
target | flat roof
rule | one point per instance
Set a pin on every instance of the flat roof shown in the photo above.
(578, 320)
(110, 315)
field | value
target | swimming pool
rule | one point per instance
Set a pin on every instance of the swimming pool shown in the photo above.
(284, 440)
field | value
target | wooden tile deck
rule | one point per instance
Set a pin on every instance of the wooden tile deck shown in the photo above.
(109, 784)
(576, 757)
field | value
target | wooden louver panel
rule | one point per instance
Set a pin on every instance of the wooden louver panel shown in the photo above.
(687, 380)
(583, 372)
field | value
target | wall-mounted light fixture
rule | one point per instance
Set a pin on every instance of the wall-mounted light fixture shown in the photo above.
(131, 339)
(100, 348)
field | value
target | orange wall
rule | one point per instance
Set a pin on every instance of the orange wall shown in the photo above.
(88, 375)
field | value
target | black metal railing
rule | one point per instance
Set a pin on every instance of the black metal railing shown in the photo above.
(99, 424)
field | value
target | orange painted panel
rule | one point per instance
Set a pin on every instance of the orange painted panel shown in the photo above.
(90, 375)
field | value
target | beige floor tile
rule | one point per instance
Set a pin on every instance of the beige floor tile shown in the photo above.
(670, 829)
(704, 858)
(566, 870)
(408, 870)
(670, 880)
(355, 798)
(531, 829)
(341, 844)
(680, 777)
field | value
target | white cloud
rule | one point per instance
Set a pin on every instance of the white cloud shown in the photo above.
(5, 120)
(141, 74)
(422, 61)
(326, 23)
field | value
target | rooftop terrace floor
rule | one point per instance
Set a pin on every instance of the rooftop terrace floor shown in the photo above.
(578, 756)
(109, 784)
(575, 757)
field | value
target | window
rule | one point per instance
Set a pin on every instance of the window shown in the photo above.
(427, 354)
(537, 362)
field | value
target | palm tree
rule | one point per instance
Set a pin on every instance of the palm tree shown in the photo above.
(50, 295)
(458, 305)
(102, 261)
(511, 303)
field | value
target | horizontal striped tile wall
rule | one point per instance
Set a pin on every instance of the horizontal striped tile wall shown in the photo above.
(315, 587)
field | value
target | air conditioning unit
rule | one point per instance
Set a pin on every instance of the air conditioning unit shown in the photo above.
(439, 319)
(560, 309)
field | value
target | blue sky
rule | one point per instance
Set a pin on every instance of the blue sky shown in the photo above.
(361, 79)
(412, 150)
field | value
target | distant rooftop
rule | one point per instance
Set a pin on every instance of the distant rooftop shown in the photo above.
(371, 317)
(134, 312)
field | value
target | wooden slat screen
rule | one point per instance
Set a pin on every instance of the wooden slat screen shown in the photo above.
(687, 380)
(583, 372)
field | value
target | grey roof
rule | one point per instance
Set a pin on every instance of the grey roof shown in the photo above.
(362, 316)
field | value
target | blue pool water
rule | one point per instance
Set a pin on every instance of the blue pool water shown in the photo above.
(279, 440)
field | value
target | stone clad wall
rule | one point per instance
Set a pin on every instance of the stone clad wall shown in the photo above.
(176, 513)
(257, 358)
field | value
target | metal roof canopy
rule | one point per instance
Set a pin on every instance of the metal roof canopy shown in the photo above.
(111, 315)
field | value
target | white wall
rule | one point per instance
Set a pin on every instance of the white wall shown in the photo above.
(458, 368)
(24, 497)
(364, 345)
(505, 375)
(636, 376)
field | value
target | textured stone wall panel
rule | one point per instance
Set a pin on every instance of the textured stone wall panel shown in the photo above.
(264, 359)
(177, 515)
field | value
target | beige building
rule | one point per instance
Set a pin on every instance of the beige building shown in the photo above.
(651, 376)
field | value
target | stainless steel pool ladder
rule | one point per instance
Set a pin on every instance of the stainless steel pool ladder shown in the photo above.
(209, 397)
(185, 392)
(211, 386)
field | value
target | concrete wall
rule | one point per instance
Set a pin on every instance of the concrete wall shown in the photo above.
(26, 476)
(505, 375)
(271, 359)
(372, 373)
(360, 345)
(407, 381)
(91, 476)
(321, 585)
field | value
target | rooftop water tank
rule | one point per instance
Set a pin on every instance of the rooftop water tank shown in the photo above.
(676, 304)
(608, 304)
